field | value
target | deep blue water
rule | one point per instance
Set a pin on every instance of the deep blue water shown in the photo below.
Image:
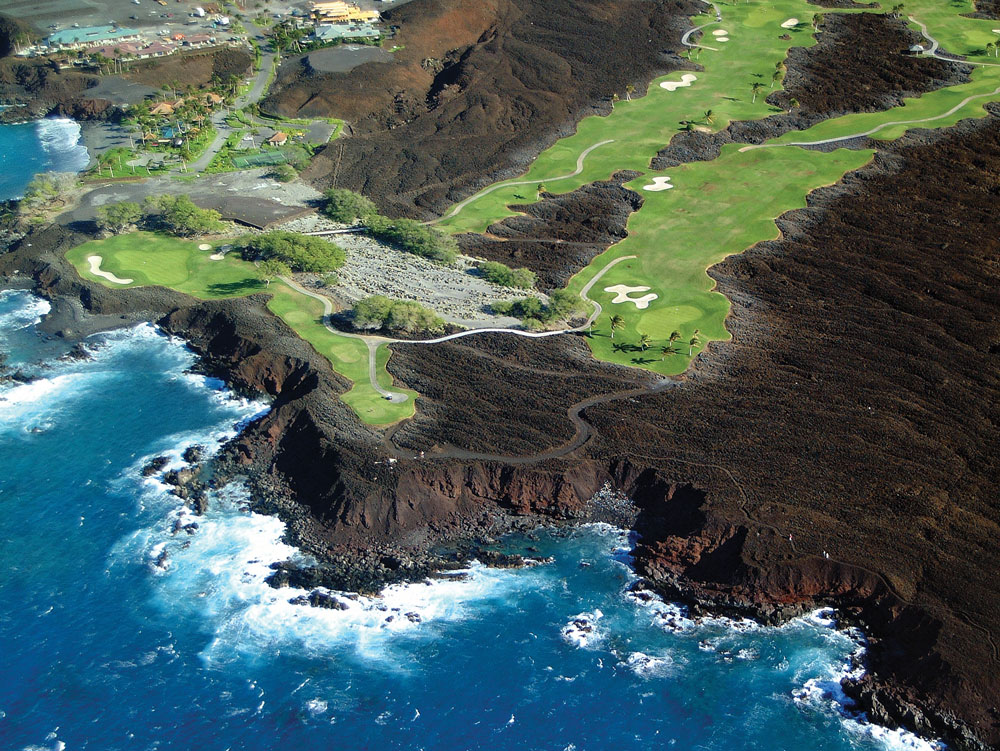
(103, 650)
(40, 146)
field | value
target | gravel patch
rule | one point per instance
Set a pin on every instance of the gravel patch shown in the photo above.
(373, 268)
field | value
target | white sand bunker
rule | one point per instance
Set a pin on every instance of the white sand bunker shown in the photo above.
(204, 246)
(216, 256)
(622, 292)
(686, 80)
(722, 39)
(791, 23)
(720, 33)
(95, 269)
(659, 183)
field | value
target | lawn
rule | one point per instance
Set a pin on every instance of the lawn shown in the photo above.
(724, 206)
(153, 259)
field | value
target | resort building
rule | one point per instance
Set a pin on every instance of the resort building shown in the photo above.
(278, 139)
(90, 36)
(328, 32)
(338, 12)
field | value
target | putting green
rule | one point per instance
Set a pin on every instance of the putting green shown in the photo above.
(152, 259)
(724, 206)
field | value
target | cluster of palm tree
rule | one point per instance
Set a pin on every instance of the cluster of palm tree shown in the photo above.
(993, 47)
(645, 340)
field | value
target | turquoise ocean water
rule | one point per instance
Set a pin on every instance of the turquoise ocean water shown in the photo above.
(104, 650)
(40, 146)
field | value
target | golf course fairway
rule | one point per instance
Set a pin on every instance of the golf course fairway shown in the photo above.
(716, 208)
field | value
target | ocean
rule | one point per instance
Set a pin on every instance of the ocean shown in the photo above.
(105, 649)
(52, 144)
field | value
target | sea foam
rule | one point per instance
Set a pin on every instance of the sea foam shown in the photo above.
(60, 138)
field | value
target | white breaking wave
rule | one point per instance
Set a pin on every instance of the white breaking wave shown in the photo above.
(582, 629)
(826, 693)
(29, 311)
(60, 138)
(218, 574)
(650, 666)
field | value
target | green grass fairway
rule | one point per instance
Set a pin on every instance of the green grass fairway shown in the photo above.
(152, 259)
(715, 209)
(725, 206)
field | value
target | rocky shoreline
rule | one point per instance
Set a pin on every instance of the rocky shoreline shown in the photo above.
(494, 500)
(848, 415)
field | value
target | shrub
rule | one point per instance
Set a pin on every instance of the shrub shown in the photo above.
(284, 173)
(562, 304)
(380, 312)
(505, 276)
(414, 237)
(47, 189)
(300, 252)
(347, 207)
(565, 304)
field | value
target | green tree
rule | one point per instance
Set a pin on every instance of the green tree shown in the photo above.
(756, 87)
(775, 77)
(708, 116)
(179, 215)
(674, 336)
(347, 207)
(414, 237)
(644, 341)
(617, 323)
(667, 351)
(300, 252)
(271, 268)
(629, 90)
(118, 217)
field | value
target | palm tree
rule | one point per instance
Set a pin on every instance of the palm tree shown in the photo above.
(666, 351)
(617, 322)
(775, 77)
(755, 87)
(614, 98)
(644, 340)
(674, 336)
(687, 125)
(693, 342)
(629, 89)
(708, 116)
(990, 47)
(541, 188)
